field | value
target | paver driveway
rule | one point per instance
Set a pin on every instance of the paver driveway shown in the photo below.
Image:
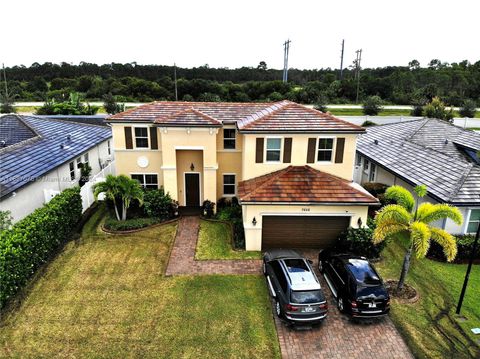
(337, 337)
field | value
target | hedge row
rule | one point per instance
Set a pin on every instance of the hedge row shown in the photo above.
(32, 241)
(130, 224)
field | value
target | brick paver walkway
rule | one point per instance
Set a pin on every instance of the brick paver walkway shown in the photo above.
(182, 259)
(337, 337)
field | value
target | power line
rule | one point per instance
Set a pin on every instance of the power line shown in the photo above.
(286, 49)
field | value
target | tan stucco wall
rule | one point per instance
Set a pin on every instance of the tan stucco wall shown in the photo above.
(299, 156)
(228, 163)
(119, 135)
(253, 234)
(127, 163)
(185, 158)
(238, 137)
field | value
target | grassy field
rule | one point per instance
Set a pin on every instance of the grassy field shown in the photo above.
(215, 242)
(106, 296)
(431, 326)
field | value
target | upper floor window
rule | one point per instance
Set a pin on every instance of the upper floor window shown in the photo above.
(148, 181)
(474, 221)
(85, 158)
(109, 148)
(229, 139)
(274, 149)
(373, 172)
(141, 137)
(71, 167)
(366, 165)
(358, 160)
(325, 150)
(229, 184)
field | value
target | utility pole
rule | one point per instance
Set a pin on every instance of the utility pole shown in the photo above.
(341, 60)
(469, 268)
(358, 63)
(175, 80)
(286, 49)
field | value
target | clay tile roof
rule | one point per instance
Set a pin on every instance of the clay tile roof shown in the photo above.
(188, 117)
(284, 116)
(302, 184)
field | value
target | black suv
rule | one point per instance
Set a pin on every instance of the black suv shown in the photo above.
(294, 286)
(355, 284)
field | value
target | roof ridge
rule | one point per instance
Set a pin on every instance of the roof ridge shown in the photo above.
(328, 114)
(273, 175)
(259, 115)
(462, 181)
(186, 110)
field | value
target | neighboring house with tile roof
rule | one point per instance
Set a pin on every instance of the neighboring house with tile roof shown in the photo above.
(39, 158)
(433, 152)
(291, 167)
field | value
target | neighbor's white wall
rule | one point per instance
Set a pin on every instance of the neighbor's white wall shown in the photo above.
(31, 197)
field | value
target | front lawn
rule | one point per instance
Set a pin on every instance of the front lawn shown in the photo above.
(106, 296)
(215, 242)
(431, 326)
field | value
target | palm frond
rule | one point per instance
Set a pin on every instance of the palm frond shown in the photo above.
(446, 240)
(393, 212)
(401, 195)
(387, 229)
(428, 212)
(421, 190)
(420, 235)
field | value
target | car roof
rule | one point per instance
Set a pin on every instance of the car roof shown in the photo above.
(300, 274)
(282, 253)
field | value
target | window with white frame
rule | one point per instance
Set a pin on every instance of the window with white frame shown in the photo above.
(109, 148)
(366, 165)
(325, 150)
(148, 181)
(358, 160)
(229, 138)
(141, 137)
(71, 167)
(473, 221)
(228, 184)
(373, 172)
(273, 149)
(85, 158)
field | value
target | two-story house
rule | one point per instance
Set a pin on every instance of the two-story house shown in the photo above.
(290, 166)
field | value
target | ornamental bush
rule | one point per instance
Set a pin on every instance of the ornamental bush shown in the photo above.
(231, 211)
(157, 203)
(464, 248)
(359, 241)
(130, 224)
(33, 240)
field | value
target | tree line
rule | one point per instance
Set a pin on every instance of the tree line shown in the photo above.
(412, 84)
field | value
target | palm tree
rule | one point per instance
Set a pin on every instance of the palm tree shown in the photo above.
(409, 219)
(119, 187)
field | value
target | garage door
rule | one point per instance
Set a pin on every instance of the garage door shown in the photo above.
(301, 231)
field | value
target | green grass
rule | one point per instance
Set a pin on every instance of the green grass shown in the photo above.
(430, 325)
(106, 296)
(215, 242)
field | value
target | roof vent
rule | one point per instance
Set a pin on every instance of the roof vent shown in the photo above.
(446, 141)
(62, 146)
(3, 143)
(376, 142)
(69, 137)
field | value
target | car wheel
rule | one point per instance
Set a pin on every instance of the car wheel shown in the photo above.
(278, 309)
(340, 305)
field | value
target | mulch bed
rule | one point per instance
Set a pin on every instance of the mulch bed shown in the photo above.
(407, 295)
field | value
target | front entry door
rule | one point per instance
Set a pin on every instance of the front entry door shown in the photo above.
(192, 189)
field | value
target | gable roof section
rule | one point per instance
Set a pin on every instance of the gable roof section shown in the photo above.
(426, 152)
(284, 116)
(14, 130)
(57, 142)
(188, 117)
(302, 184)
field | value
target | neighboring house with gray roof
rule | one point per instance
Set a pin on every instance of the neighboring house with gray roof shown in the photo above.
(39, 158)
(433, 152)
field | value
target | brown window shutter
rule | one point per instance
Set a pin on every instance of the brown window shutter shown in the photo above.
(312, 142)
(153, 138)
(287, 150)
(340, 150)
(259, 150)
(128, 138)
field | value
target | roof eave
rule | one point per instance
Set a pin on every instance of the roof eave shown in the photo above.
(300, 131)
(366, 203)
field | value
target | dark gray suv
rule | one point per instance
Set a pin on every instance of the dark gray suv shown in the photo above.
(294, 286)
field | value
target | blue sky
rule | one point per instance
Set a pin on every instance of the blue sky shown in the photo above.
(238, 33)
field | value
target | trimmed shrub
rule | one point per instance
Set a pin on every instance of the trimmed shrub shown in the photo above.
(372, 106)
(359, 241)
(464, 247)
(135, 223)
(32, 241)
(368, 123)
(157, 203)
(468, 109)
(231, 211)
(207, 208)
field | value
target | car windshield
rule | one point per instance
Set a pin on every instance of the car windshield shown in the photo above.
(363, 272)
(307, 296)
(296, 265)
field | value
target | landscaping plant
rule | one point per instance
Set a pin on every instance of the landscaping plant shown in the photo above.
(372, 106)
(359, 241)
(436, 109)
(408, 219)
(120, 188)
(157, 203)
(468, 109)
